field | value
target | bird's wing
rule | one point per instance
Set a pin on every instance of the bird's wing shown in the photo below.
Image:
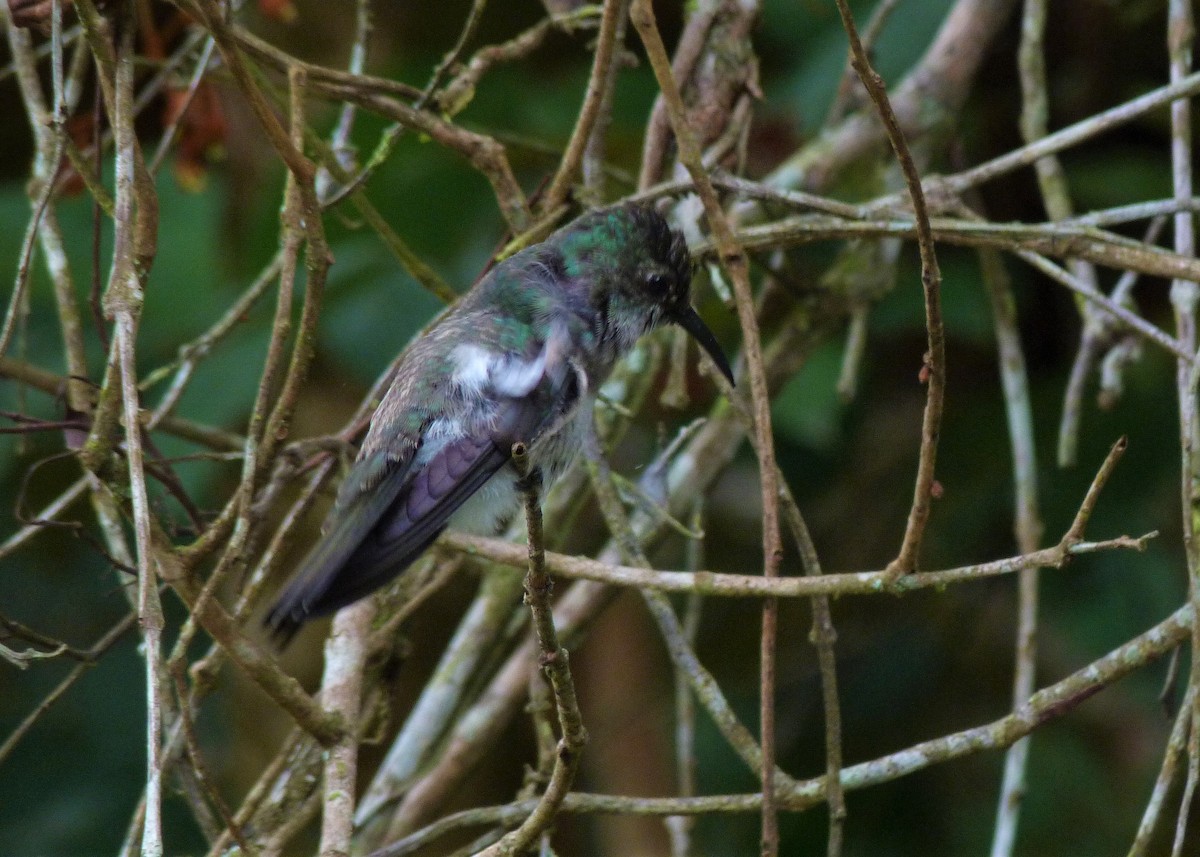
(395, 510)
(435, 492)
(355, 515)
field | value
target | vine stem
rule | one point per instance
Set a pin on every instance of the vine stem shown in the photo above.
(735, 262)
(934, 370)
(554, 661)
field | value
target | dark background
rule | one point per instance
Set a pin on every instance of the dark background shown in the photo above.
(910, 669)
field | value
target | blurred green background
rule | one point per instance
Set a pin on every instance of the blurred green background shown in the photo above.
(910, 669)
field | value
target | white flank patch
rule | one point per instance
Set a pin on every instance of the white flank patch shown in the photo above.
(477, 369)
(515, 377)
(472, 366)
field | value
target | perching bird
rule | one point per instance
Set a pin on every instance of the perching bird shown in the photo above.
(516, 359)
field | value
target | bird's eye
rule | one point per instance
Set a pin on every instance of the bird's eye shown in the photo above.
(656, 283)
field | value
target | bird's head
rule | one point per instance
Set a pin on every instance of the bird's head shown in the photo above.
(639, 274)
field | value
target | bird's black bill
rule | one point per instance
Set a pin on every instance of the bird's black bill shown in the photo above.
(689, 320)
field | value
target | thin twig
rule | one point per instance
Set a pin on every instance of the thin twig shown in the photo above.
(682, 653)
(97, 650)
(593, 167)
(136, 220)
(37, 523)
(171, 132)
(479, 725)
(339, 140)
(553, 660)
(197, 762)
(1076, 133)
(934, 371)
(843, 99)
(1176, 748)
(257, 453)
(823, 637)
(1046, 705)
(679, 827)
(1185, 295)
(327, 728)
(441, 699)
(754, 586)
(688, 52)
(50, 238)
(191, 353)
(734, 261)
(1027, 529)
(1056, 196)
(590, 112)
(452, 57)
(459, 91)
(52, 384)
(1020, 240)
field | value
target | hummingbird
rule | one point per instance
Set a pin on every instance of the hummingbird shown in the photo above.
(519, 358)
